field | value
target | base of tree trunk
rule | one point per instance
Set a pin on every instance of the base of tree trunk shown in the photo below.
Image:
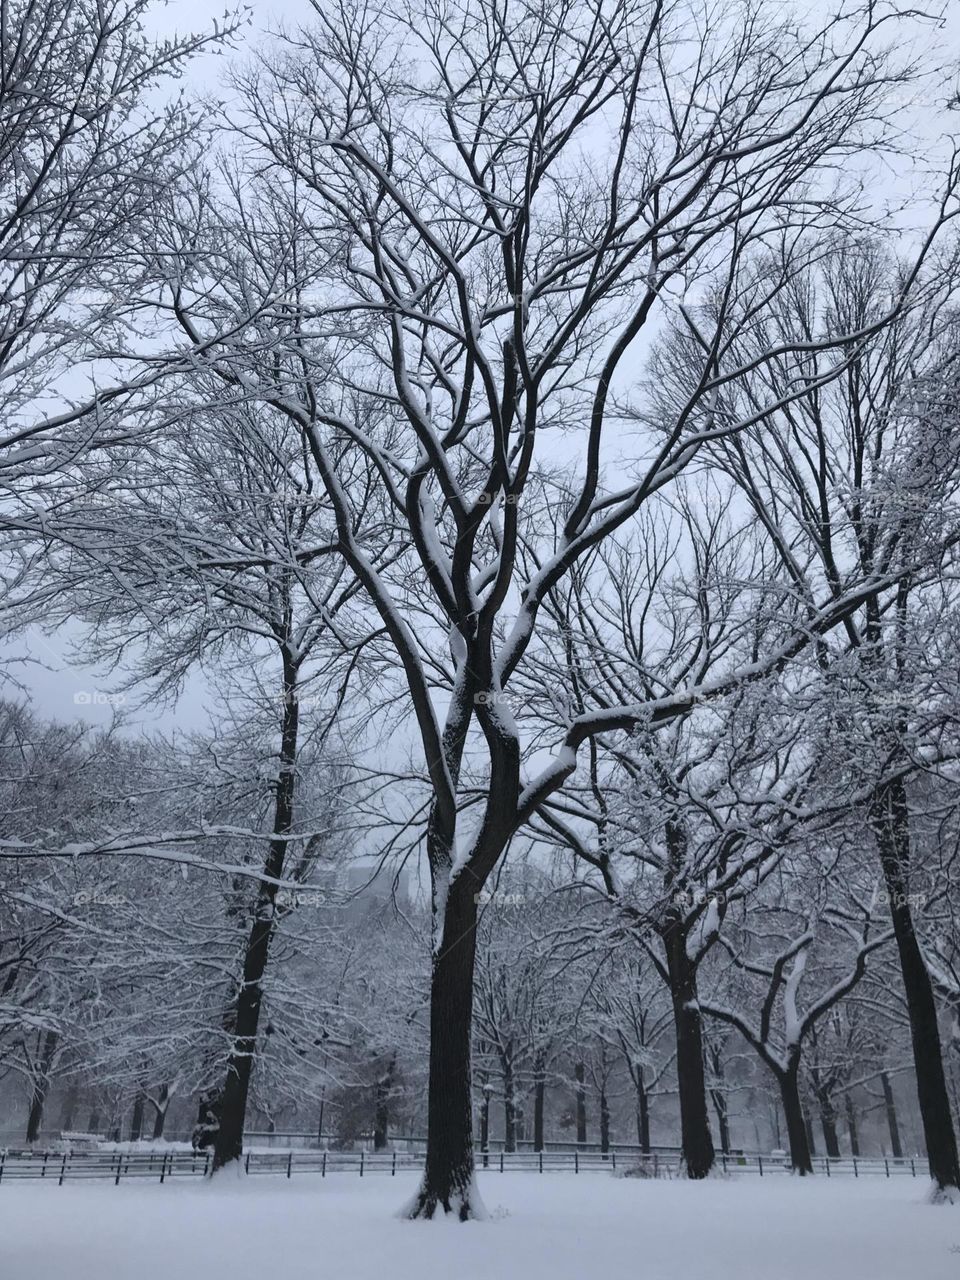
(943, 1195)
(462, 1202)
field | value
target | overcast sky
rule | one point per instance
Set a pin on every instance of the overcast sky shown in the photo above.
(59, 687)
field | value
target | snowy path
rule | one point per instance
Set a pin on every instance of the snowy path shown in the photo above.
(554, 1227)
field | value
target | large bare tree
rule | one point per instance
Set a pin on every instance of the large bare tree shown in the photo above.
(453, 230)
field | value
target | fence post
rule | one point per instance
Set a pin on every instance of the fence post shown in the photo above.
(855, 1174)
(163, 1168)
(724, 1158)
(116, 1181)
(63, 1169)
(246, 1163)
(501, 1162)
(3, 1157)
(655, 1173)
(826, 1165)
(323, 1167)
(43, 1171)
(886, 1165)
(913, 1171)
(541, 1162)
(289, 1162)
(361, 1162)
(760, 1163)
(393, 1165)
(576, 1162)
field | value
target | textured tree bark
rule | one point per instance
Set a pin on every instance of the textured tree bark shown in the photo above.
(160, 1111)
(828, 1123)
(228, 1138)
(604, 1122)
(797, 1131)
(136, 1120)
(891, 825)
(381, 1110)
(69, 1108)
(448, 1179)
(579, 1074)
(643, 1118)
(696, 1141)
(509, 1106)
(811, 1140)
(719, 1099)
(852, 1129)
(890, 1106)
(539, 1093)
(41, 1085)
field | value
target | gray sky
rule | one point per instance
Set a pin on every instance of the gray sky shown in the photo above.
(58, 686)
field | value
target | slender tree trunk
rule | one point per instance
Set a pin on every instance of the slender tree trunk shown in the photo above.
(852, 1129)
(811, 1140)
(890, 1106)
(160, 1111)
(797, 1130)
(828, 1123)
(509, 1106)
(643, 1117)
(93, 1124)
(448, 1174)
(69, 1108)
(136, 1120)
(695, 1140)
(892, 829)
(381, 1110)
(604, 1122)
(228, 1139)
(41, 1084)
(579, 1074)
(539, 1092)
(485, 1122)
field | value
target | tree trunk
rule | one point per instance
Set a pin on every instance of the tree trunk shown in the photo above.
(381, 1110)
(718, 1097)
(604, 1122)
(228, 1138)
(93, 1124)
(41, 1085)
(695, 1140)
(136, 1120)
(539, 1092)
(69, 1108)
(485, 1122)
(160, 1112)
(579, 1074)
(852, 1125)
(448, 1174)
(811, 1140)
(892, 829)
(828, 1123)
(509, 1106)
(890, 1105)
(797, 1130)
(643, 1117)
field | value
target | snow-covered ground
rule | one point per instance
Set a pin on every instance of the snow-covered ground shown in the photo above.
(557, 1227)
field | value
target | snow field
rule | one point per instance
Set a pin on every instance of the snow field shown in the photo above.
(550, 1227)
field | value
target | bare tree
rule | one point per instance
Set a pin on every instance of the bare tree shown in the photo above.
(437, 286)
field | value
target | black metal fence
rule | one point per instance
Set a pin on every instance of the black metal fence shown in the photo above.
(55, 1166)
